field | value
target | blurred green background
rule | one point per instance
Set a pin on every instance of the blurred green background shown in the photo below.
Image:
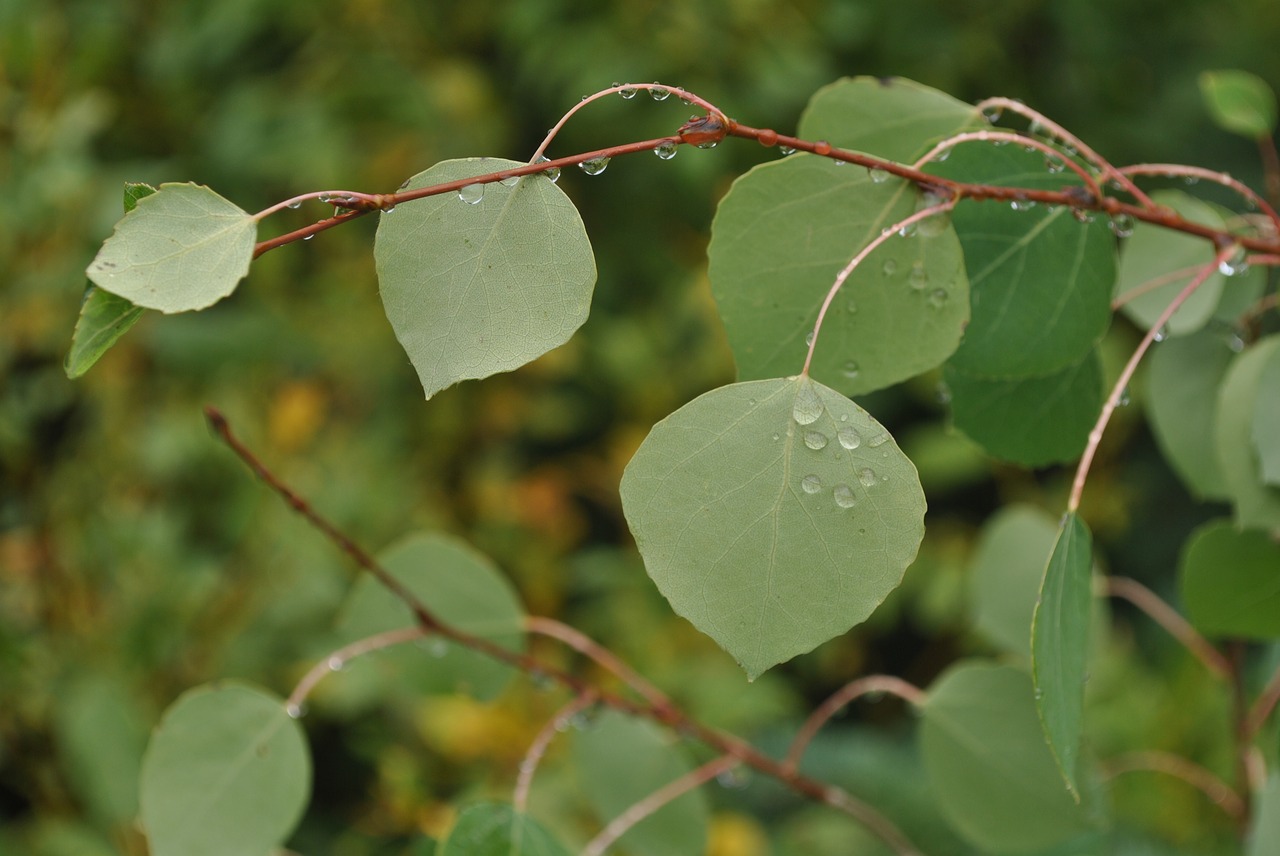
(138, 558)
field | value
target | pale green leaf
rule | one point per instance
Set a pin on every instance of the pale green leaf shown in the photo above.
(892, 118)
(1060, 645)
(497, 829)
(182, 248)
(1040, 282)
(1264, 831)
(781, 236)
(774, 515)
(620, 761)
(1230, 580)
(476, 289)
(1183, 377)
(1154, 254)
(1239, 102)
(227, 773)
(987, 759)
(1005, 574)
(101, 732)
(1257, 503)
(1265, 430)
(1031, 421)
(459, 586)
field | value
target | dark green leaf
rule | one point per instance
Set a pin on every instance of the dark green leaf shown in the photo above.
(473, 290)
(133, 191)
(497, 829)
(1060, 645)
(104, 318)
(774, 515)
(1266, 421)
(1257, 503)
(1239, 102)
(1031, 421)
(1230, 581)
(994, 775)
(1006, 572)
(621, 761)
(227, 773)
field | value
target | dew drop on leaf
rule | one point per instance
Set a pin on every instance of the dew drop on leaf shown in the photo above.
(471, 194)
(890, 266)
(808, 407)
(666, 150)
(849, 437)
(843, 495)
(878, 440)
(811, 483)
(919, 277)
(938, 297)
(815, 440)
(867, 476)
(850, 369)
(878, 176)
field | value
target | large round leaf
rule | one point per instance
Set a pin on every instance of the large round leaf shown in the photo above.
(476, 289)
(774, 515)
(1006, 572)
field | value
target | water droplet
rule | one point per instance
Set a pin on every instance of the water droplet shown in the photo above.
(297, 204)
(554, 173)
(1124, 399)
(1190, 180)
(941, 156)
(659, 93)
(776, 436)
(938, 297)
(851, 307)
(295, 711)
(992, 114)
(943, 393)
(388, 209)
(735, 778)
(336, 664)
(822, 147)
(594, 166)
(325, 197)
(815, 440)
(867, 476)
(304, 237)
(808, 339)
(907, 230)
(890, 267)
(849, 437)
(627, 92)
(1235, 342)
(1235, 264)
(709, 144)
(471, 194)
(786, 150)
(1054, 164)
(937, 223)
(811, 483)
(877, 175)
(850, 369)
(1083, 215)
(843, 495)
(807, 407)
(878, 440)
(1122, 225)
(1039, 693)
(509, 181)
(1022, 204)
(1160, 334)
(919, 277)
(666, 150)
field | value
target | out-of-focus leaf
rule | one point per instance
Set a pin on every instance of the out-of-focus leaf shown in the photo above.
(1264, 832)
(1006, 572)
(1266, 421)
(101, 737)
(1257, 503)
(1239, 102)
(1230, 581)
(497, 829)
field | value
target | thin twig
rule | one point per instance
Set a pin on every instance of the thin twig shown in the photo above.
(1022, 140)
(587, 646)
(340, 658)
(1176, 170)
(909, 693)
(1263, 705)
(1219, 792)
(1168, 618)
(538, 748)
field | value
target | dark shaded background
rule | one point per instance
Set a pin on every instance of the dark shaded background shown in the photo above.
(138, 559)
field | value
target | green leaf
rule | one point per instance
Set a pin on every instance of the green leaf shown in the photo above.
(101, 733)
(780, 237)
(497, 829)
(1257, 503)
(1264, 831)
(473, 290)
(1239, 102)
(620, 761)
(995, 778)
(892, 117)
(227, 773)
(133, 191)
(1230, 580)
(774, 515)
(461, 587)
(1265, 433)
(1183, 377)
(1031, 421)
(182, 248)
(1156, 254)
(1005, 574)
(1060, 644)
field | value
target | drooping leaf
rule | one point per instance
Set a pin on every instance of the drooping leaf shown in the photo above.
(476, 289)
(780, 237)
(1154, 254)
(986, 755)
(892, 117)
(1230, 580)
(461, 587)
(1183, 377)
(182, 248)
(1060, 645)
(620, 761)
(1239, 102)
(497, 829)
(1040, 282)
(227, 772)
(1265, 431)
(1264, 831)
(1005, 574)
(1030, 421)
(1257, 503)
(774, 515)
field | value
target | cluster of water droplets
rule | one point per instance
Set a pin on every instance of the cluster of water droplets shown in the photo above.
(806, 411)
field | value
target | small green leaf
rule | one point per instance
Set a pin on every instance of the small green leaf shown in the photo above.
(227, 772)
(461, 587)
(1230, 580)
(473, 290)
(774, 515)
(1031, 421)
(1239, 102)
(1266, 421)
(104, 318)
(620, 761)
(1183, 377)
(1264, 831)
(182, 248)
(892, 118)
(133, 191)
(1060, 645)
(1155, 254)
(497, 829)
(1040, 282)
(781, 236)
(1257, 503)
(1005, 574)
(993, 773)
